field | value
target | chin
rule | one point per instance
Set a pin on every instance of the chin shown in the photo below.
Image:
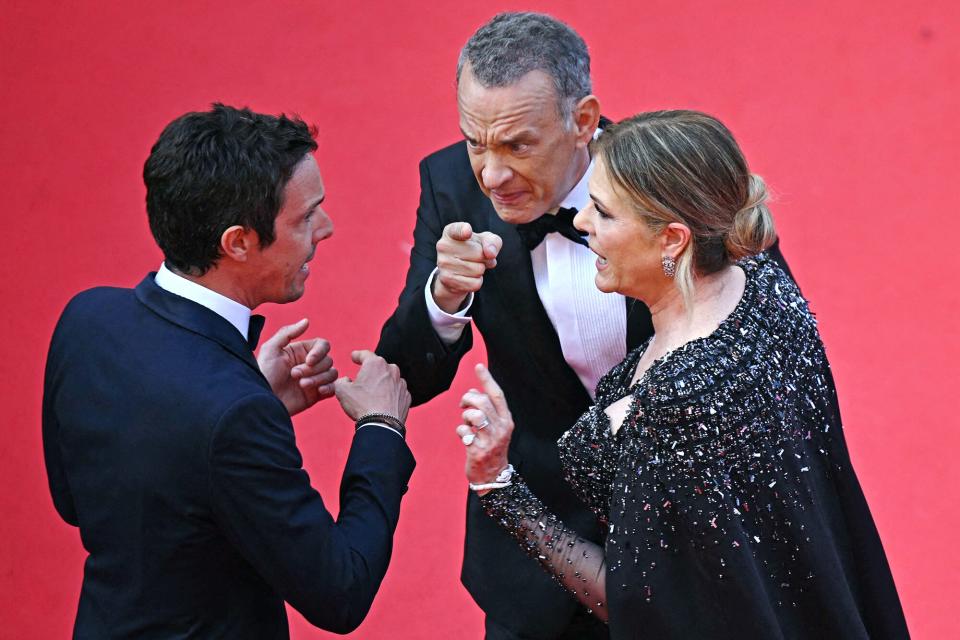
(518, 215)
(602, 285)
(291, 295)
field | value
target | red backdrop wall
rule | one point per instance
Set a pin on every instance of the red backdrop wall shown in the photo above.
(848, 109)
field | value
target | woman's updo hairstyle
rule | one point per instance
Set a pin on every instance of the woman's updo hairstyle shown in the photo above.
(685, 166)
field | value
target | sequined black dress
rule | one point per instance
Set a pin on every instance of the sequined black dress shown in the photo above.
(731, 504)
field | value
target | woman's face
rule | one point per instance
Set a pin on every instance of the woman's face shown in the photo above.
(629, 251)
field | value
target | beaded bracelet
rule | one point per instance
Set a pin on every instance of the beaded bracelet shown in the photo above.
(504, 479)
(385, 419)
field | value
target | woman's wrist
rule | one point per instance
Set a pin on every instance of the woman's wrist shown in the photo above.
(503, 479)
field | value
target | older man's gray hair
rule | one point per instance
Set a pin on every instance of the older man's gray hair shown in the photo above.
(512, 45)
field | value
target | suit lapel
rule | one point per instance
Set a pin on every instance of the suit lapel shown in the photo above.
(194, 318)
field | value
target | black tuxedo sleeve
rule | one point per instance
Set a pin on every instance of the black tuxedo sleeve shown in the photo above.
(408, 338)
(328, 570)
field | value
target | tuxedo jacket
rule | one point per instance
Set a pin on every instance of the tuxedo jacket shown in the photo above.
(544, 394)
(165, 445)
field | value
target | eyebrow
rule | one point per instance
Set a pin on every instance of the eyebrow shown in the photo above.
(599, 202)
(314, 203)
(521, 136)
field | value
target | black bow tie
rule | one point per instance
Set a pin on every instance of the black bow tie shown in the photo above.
(253, 331)
(534, 232)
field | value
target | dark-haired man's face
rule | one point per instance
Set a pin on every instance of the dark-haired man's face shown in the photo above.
(522, 153)
(282, 267)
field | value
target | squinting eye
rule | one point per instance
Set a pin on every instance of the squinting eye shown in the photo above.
(520, 147)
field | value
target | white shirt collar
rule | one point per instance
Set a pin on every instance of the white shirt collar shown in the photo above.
(230, 310)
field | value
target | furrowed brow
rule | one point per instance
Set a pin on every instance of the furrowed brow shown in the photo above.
(466, 136)
(521, 137)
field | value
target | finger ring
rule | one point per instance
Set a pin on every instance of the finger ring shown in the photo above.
(484, 424)
(468, 439)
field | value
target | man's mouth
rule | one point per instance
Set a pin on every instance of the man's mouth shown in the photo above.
(305, 267)
(506, 198)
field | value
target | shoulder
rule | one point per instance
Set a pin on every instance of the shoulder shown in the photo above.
(752, 346)
(452, 154)
(97, 307)
(98, 299)
(450, 165)
(776, 303)
(449, 187)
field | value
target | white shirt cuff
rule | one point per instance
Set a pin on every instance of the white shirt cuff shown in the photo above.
(449, 326)
(382, 426)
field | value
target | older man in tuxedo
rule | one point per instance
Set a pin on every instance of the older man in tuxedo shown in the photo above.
(494, 246)
(171, 447)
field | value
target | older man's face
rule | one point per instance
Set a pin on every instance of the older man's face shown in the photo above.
(523, 154)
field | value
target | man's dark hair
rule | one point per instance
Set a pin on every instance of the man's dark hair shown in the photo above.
(214, 169)
(511, 45)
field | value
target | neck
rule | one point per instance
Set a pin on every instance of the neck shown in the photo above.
(582, 161)
(217, 280)
(715, 297)
(580, 164)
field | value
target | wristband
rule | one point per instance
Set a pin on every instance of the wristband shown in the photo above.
(387, 420)
(504, 479)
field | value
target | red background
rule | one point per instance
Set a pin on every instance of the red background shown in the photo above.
(848, 109)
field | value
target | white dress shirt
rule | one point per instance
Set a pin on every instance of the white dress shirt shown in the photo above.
(230, 310)
(591, 325)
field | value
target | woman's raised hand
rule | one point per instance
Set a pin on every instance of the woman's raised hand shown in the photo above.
(486, 429)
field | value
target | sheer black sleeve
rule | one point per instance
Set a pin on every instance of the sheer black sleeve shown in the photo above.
(577, 564)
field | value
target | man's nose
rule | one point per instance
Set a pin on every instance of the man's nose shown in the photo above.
(324, 228)
(495, 173)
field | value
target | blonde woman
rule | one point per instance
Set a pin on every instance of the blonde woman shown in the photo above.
(714, 455)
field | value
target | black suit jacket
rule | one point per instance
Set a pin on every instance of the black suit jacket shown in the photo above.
(545, 395)
(165, 445)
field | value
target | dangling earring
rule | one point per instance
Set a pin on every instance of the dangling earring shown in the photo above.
(669, 266)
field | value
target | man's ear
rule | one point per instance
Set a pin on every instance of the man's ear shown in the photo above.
(238, 242)
(674, 239)
(586, 118)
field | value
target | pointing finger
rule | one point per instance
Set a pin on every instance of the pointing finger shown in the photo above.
(493, 390)
(460, 231)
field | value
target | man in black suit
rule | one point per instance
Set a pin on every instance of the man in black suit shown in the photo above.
(172, 448)
(494, 247)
